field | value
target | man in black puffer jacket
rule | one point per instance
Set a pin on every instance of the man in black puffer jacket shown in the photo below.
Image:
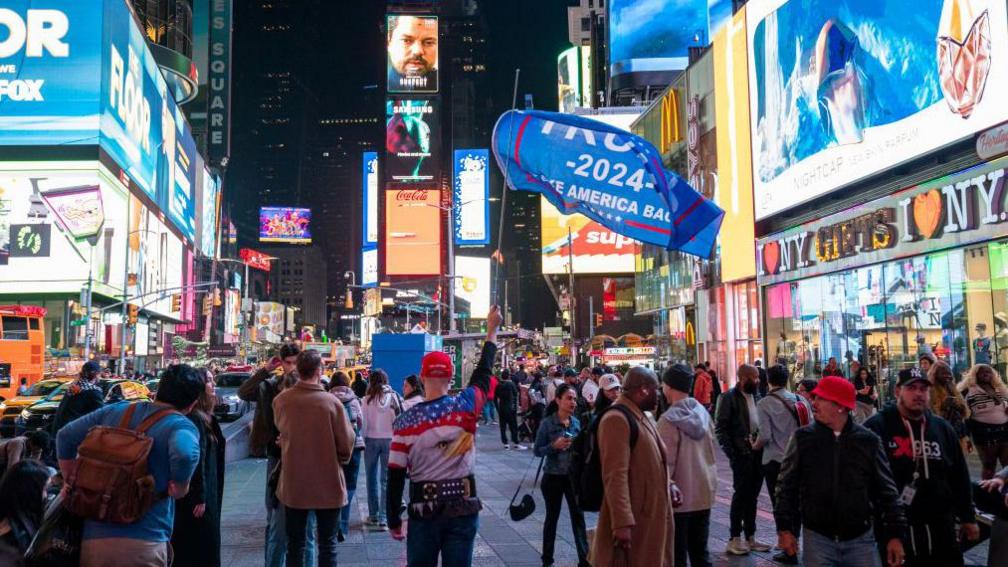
(834, 479)
(930, 472)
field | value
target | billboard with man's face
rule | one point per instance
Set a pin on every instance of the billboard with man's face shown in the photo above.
(412, 54)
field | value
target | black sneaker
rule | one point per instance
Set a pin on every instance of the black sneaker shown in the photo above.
(340, 537)
(786, 559)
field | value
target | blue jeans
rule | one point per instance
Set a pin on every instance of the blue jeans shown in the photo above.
(276, 538)
(376, 453)
(822, 551)
(298, 528)
(350, 471)
(452, 538)
(276, 531)
(489, 411)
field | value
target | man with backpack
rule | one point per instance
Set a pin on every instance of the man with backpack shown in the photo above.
(781, 413)
(635, 520)
(122, 464)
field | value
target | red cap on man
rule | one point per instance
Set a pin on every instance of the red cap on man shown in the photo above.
(437, 365)
(837, 390)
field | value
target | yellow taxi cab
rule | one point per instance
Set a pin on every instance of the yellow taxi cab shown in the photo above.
(11, 409)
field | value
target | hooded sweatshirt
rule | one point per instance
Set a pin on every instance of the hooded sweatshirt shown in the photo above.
(379, 413)
(688, 432)
(354, 412)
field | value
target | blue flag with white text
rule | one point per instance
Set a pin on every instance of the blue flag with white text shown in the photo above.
(607, 174)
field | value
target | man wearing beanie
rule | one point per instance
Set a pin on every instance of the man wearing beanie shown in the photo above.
(172, 460)
(834, 480)
(688, 432)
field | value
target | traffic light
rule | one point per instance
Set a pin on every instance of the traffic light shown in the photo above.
(134, 311)
(217, 298)
(207, 305)
(598, 320)
(176, 302)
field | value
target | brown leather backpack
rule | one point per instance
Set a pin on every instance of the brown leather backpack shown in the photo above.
(110, 482)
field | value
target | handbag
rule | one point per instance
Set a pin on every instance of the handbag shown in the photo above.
(58, 540)
(525, 508)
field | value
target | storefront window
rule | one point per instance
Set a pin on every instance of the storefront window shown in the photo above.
(748, 347)
(953, 304)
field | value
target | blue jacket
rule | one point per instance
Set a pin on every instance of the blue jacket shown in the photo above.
(557, 462)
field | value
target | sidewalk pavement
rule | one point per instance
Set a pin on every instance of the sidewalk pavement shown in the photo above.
(499, 542)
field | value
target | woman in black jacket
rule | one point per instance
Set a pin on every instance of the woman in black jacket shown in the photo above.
(196, 539)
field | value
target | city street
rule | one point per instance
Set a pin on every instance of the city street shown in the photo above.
(500, 541)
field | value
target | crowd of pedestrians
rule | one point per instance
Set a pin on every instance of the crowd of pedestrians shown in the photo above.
(852, 481)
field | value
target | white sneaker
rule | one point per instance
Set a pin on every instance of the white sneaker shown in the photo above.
(507, 447)
(521, 447)
(755, 545)
(736, 546)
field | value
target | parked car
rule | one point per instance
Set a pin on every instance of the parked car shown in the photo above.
(40, 414)
(228, 405)
(10, 409)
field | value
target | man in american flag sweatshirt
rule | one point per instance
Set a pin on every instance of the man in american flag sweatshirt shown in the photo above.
(434, 443)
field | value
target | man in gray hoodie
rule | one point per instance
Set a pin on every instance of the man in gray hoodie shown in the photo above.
(780, 414)
(688, 433)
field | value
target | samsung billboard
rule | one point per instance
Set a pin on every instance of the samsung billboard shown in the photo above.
(80, 73)
(412, 131)
(841, 90)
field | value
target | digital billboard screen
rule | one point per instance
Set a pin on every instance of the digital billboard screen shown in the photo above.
(471, 197)
(412, 130)
(596, 249)
(369, 196)
(412, 53)
(568, 80)
(207, 207)
(285, 224)
(654, 35)
(369, 267)
(473, 284)
(843, 89)
(412, 232)
(81, 73)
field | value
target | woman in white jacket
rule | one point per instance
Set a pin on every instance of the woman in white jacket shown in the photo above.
(381, 406)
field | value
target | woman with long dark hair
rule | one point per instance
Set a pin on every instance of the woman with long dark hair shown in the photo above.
(381, 406)
(196, 538)
(22, 502)
(947, 402)
(340, 387)
(413, 392)
(864, 385)
(553, 442)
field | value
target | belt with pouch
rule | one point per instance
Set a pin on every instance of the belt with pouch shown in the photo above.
(440, 490)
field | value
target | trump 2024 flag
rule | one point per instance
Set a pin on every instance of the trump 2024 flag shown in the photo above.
(607, 174)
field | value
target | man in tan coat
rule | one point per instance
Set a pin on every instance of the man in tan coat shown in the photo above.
(635, 525)
(316, 439)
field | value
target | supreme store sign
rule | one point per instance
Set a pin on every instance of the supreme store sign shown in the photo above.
(962, 208)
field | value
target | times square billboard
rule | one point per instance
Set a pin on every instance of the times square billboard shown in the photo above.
(81, 74)
(412, 53)
(412, 133)
(285, 224)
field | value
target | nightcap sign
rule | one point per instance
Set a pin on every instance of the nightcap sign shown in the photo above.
(962, 208)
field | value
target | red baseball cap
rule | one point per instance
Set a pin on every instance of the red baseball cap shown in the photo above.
(837, 390)
(437, 365)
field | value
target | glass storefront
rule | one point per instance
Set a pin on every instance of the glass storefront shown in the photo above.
(952, 303)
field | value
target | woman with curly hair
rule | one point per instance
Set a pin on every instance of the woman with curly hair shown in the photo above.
(948, 403)
(987, 398)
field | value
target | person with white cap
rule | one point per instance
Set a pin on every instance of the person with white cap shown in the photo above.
(610, 387)
(435, 442)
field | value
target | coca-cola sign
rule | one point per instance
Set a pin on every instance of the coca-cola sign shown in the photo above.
(993, 142)
(411, 195)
